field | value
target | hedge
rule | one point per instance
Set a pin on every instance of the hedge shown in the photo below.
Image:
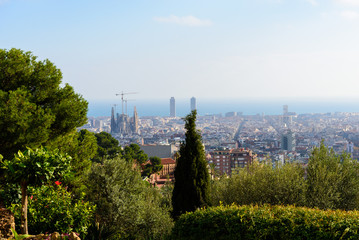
(267, 222)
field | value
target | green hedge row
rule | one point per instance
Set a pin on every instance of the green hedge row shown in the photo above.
(267, 222)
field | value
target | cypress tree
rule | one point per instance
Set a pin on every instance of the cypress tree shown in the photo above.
(191, 188)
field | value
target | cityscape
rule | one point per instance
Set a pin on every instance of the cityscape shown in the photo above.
(179, 120)
(288, 137)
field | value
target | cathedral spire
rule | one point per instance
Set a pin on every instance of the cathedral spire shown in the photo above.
(135, 120)
(113, 121)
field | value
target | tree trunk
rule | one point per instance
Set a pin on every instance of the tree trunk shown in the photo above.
(24, 229)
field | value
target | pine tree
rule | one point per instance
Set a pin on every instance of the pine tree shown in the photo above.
(191, 188)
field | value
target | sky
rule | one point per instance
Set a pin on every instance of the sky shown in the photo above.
(210, 49)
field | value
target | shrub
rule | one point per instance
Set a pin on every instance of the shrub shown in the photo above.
(126, 206)
(332, 180)
(51, 209)
(260, 183)
(267, 222)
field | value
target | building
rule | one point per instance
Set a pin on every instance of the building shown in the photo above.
(285, 109)
(172, 107)
(168, 169)
(286, 117)
(227, 160)
(123, 124)
(165, 175)
(350, 148)
(288, 141)
(231, 114)
(193, 104)
(161, 151)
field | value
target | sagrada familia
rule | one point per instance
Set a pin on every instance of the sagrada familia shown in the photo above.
(123, 124)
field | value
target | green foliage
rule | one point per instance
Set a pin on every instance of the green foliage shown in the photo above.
(155, 167)
(51, 209)
(22, 122)
(125, 203)
(156, 164)
(332, 179)
(267, 222)
(34, 107)
(134, 152)
(10, 193)
(331, 182)
(19, 237)
(35, 167)
(82, 147)
(1, 174)
(191, 188)
(108, 147)
(261, 183)
(166, 192)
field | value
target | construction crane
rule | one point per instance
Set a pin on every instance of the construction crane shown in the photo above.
(126, 103)
(122, 94)
(115, 105)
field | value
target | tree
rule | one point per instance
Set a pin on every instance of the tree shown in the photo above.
(154, 167)
(125, 204)
(52, 209)
(34, 168)
(191, 188)
(261, 183)
(134, 152)
(35, 108)
(82, 147)
(108, 147)
(332, 180)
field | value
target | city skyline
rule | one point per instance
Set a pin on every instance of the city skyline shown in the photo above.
(208, 107)
(261, 49)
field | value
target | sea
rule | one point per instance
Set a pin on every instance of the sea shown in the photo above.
(100, 108)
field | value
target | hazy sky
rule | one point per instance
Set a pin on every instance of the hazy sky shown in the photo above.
(204, 48)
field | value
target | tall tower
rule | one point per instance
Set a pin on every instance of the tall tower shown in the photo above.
(135, 121)
(287, 119)
(193, 104)
(288, 141)
(113, 121)
(285, 109)
(172, 107)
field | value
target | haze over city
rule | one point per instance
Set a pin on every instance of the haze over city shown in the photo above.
(285, 50)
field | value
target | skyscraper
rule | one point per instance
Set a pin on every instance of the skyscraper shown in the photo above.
(285, 109)
(288, 141)
(193, 104)
(172, 107)
(287, 118)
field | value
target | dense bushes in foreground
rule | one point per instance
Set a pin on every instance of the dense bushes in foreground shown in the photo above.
(329, 181)
(125, 204)
(52, 209)
(267, 222)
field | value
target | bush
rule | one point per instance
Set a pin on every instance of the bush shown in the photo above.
(332, 180)
(260, 183)
(126, 205)
(51, 209)
(267, 222)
